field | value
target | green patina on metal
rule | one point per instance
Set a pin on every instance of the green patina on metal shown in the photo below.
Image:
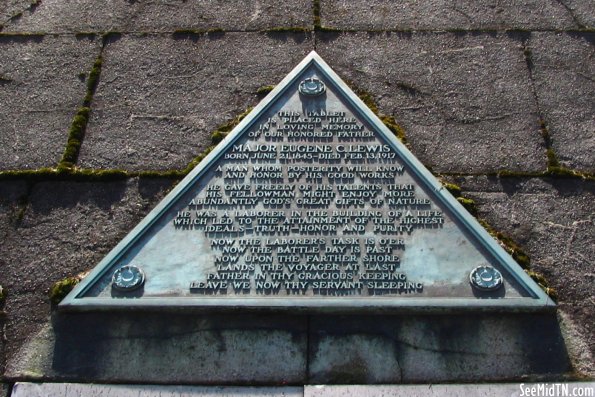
(412, 245)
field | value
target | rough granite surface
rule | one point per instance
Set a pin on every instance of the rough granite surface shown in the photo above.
(479, 88)
(42, 83)
(464, 100)
(58, 16)
(564, 73)
(39, 246)
(443, 15)
(554, 220)
(155, 91)
(12, 9)
(582, 12)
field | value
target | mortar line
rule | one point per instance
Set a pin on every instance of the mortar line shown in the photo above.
(315, 22)
(78, 127)
(293, 30)
(528, 54)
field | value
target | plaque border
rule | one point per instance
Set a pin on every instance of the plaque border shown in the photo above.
(538, 300)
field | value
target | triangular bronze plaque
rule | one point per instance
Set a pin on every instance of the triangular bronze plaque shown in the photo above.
(310, 202)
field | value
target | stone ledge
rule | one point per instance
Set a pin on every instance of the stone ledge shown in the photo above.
(454, 390)
(262, 348)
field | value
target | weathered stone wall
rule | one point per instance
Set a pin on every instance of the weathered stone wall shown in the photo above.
(497, 98)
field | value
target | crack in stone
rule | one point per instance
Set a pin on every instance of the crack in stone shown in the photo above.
(574, 17)
(451, 351)
(456, 9)
(574, 229)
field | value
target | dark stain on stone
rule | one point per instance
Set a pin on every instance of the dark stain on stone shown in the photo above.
(111, 37)
(354, 372)
(22, 38)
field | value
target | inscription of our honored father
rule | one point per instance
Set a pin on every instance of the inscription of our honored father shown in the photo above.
(312, 204)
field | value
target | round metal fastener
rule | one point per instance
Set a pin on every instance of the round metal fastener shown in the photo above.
(485, 278)
(128, 278)
(312, 87)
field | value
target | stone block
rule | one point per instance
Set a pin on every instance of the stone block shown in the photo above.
(177, 91)
(354, 359)
(582, 11)
(12, 8)
(43, 84)
(86, 390)
(12, 207)
(235, 15)
(564, 74)
(441, 15)
(553, 220)
(465, 101)
(65, 228)
(172, 347)
(60, 16)
(186, 347)
(434, 348)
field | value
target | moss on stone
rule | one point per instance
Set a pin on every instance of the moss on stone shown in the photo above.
(62, 288)
(66, 173)
(515, 250)
(103, 175)
(388, 121)
(395, 128)
(455, 190)
(517, 253)
(93, 80)
(316, 13)
(554, 167)
(217, 137)
(334, 30)
(365, 96)
(469, 205)
(552, 159)
(543, 283)
(545, 133)
(75, 136)
(167, 174)
(197, 160)
(76, 133)
(265, 89)
(230, 125)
